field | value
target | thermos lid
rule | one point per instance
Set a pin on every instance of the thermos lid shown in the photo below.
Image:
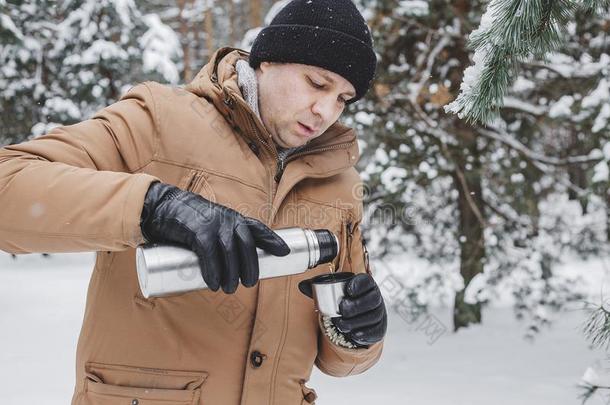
(329, 247)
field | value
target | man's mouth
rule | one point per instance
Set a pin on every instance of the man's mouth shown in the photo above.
(306, 129)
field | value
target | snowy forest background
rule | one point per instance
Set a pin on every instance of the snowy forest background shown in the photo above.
(510, 213)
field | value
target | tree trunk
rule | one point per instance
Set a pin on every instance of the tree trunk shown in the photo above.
(187, 74)
(577, 173)
(467, 178)
(607, 191)
(232, 24)
(255, 13)
(209, 32)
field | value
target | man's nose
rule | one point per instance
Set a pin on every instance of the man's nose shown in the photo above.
(325, 108)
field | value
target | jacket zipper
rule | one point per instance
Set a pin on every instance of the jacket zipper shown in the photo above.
(252, 128)
(348, 244)
(367, 264)
(279, 171)
(282, 165)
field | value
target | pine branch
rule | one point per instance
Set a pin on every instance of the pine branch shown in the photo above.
(587, 392)
(426, 73)
(511, 32)
(508, 140)
(512, 217)
(516, 104)
(597, 327)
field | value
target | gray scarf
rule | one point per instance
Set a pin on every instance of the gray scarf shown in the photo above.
(247, 82)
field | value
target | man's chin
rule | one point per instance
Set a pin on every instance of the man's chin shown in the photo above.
(293, 141)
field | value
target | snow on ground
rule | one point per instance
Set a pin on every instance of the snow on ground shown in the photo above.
(42, 304)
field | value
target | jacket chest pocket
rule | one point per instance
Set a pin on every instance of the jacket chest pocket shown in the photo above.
(107, 384)
(196, 181)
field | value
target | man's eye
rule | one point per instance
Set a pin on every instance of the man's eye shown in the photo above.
(316, 85)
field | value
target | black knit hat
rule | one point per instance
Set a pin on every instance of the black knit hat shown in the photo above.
(330, 34)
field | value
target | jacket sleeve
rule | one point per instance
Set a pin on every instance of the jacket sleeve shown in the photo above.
(333, 359)
(77, 187)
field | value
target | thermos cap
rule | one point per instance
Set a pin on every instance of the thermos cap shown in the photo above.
(328, 244)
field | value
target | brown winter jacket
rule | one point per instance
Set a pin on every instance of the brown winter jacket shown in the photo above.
(81, 188)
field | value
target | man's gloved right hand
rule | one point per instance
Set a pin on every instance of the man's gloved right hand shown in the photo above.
(224, 240)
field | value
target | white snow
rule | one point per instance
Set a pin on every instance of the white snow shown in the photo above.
(562, 107)
(600, 172)
(393, 177)
(7, 23)
(475, 291)
(423, 362)
(365, 118)
(601, 121)
(99, 50)
(414, 8)
(61, 105)
(600, 95)
(161, 46)
(381, 156)
(512, 102)
(249, 37)
(569, 67)
(522, 84)
(402, 68)
(274, 10)
(517, 178)
(42, 128)
(125, 9)
(472, 75)
(598, 374)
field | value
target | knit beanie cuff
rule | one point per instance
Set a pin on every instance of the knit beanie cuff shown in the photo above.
(330, 49)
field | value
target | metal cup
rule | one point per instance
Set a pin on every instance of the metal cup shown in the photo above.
(327, 291)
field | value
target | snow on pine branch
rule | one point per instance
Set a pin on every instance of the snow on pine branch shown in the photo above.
(6, 23)
(161, 47)
(510, 32)
(596, 6)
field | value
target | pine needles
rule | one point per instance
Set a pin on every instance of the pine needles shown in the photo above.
(510, 32)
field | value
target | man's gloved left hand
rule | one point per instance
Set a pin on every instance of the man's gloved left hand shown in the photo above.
(363, 317)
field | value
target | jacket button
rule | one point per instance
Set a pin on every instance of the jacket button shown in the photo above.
(134, 402)
(256, 358)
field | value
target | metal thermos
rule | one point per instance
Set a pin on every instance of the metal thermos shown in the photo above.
(166, 269)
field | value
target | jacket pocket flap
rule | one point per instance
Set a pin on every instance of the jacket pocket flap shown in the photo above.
(173, 396)
(143, 377)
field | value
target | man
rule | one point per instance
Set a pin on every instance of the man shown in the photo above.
(252, 143)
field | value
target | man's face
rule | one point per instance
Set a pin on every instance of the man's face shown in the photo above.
(299, 102)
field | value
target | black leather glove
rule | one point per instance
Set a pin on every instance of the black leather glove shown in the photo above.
(224, 240)
(363, 318)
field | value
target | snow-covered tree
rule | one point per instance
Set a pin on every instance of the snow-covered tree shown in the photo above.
(498, 205)
(63, 61)
(26, 31)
